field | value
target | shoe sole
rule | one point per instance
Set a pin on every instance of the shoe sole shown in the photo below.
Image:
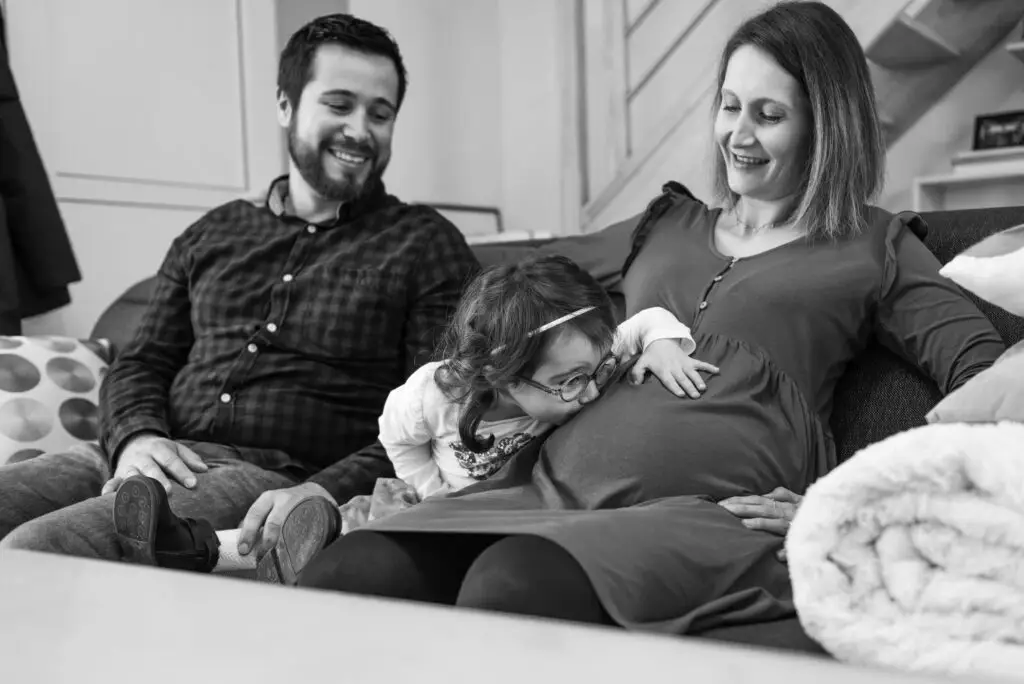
(135, 520)
(307, 529)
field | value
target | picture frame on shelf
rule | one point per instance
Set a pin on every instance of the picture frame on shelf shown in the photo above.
(998, 130)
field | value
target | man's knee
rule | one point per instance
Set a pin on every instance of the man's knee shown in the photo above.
(85, 530)
(35, 535)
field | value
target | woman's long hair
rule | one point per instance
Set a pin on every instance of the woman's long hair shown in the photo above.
(488, 342)
(846, 158)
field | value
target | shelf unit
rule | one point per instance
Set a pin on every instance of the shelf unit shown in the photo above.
(983, 178)
(980, 178)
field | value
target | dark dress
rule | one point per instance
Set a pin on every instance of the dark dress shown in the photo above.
(628, 486)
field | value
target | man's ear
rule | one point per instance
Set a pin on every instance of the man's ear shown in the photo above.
(285, 111)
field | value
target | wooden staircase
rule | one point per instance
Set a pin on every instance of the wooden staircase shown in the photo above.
(649, 71)
(930, 46)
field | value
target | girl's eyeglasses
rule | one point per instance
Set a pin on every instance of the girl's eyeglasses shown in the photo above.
(572, 387)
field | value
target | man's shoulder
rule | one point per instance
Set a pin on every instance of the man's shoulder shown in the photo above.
(421, 217)
(230, 216)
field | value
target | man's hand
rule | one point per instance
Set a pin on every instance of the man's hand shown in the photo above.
(679, 372)
(268, 513)
(156, 457)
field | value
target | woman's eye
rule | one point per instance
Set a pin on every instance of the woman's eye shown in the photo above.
(730, 108)
(771, 118)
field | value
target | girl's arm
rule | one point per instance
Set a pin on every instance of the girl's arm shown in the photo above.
(636, 333)
(406, 435)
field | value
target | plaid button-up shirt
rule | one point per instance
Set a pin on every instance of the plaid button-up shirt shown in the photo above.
(267, 332)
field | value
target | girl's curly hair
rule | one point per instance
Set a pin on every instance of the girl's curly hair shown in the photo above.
(488, 345)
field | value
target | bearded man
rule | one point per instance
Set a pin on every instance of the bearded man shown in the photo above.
(275, 331)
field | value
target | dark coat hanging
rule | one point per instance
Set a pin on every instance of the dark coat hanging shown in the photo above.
(36, 260)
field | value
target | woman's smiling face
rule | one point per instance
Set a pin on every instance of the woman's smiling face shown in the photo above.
(763, 126)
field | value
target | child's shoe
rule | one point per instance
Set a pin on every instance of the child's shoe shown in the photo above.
(308, 528)
(151, 534)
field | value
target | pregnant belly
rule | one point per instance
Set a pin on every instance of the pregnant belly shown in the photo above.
(749, 433)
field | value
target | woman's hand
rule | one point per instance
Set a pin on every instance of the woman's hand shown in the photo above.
(772, 512)
(679, 372)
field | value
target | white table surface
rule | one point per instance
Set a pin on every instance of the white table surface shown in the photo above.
(71, 620)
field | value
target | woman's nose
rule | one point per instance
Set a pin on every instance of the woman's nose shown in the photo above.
(742, 132)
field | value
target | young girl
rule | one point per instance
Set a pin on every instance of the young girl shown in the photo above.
(529, 346)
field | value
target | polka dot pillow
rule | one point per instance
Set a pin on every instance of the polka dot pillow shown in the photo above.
(49, 393)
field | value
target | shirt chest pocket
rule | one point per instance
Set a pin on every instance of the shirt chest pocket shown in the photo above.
(349, 313)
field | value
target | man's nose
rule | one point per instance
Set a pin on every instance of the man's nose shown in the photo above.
(355, 126)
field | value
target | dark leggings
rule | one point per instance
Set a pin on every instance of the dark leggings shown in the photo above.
(518, 574)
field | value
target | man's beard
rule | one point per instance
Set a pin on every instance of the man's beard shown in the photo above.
(309, 161)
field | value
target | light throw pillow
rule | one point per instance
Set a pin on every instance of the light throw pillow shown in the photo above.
(49, 394)
(996, 394)
(993, 270)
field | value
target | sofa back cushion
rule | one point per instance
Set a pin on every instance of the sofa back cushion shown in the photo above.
(879, 395)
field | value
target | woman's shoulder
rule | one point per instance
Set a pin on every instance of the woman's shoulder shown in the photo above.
(883, 230)
(676, 197)
(676, 209)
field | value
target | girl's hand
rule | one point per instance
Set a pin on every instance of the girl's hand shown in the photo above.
(772, 512)
(679, 372)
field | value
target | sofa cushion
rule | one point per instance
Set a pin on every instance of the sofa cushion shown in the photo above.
(49, 393)
(118, 323)
(880, 394)
(993, 395)
(952, 232)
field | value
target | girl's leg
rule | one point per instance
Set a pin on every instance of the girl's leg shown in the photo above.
(530, 575)
(418, 567)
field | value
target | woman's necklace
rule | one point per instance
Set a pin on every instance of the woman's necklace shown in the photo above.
(755, 229)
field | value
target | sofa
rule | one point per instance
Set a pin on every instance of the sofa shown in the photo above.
(879, 395)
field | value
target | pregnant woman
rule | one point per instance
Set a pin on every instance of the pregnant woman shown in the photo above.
(615, 519)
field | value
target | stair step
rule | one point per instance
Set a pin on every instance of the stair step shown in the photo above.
(910, 44)
(1016, 49)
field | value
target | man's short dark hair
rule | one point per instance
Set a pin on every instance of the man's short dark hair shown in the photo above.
(295, 67)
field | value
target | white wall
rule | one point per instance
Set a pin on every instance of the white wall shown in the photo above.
(447, 145)
(483, 118)
(996, 83)
(482, 124)
(146, 114)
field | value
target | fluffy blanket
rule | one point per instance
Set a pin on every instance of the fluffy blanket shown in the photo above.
(911, 554)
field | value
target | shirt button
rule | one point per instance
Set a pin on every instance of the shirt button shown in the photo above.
(288, 277)
(252, 348)
(272, 327)
(225, 398)
(703, 305)
(311, 230)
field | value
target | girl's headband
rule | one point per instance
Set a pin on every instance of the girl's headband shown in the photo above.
(548, 326)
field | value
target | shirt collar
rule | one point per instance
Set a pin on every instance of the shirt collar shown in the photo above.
(374, 198)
